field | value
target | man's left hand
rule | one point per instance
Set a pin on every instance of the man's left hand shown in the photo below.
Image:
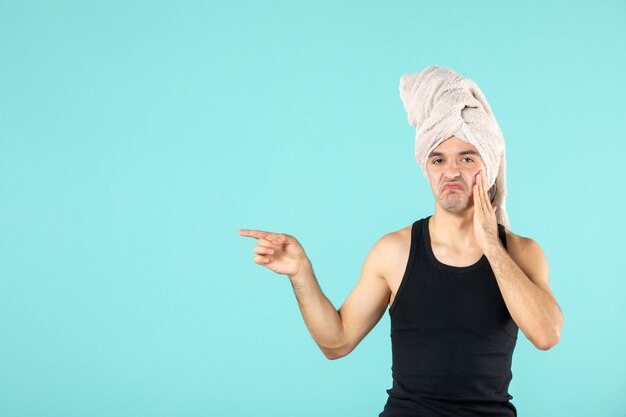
(485, 221)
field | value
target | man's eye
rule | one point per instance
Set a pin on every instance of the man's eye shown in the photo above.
(470, 159)
(436, 160)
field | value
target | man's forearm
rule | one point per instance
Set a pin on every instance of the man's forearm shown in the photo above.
(534, 310)
(319, 314)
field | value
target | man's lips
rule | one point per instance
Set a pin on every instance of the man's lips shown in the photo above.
(452, 186)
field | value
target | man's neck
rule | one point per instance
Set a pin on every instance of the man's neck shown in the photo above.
(454, 229)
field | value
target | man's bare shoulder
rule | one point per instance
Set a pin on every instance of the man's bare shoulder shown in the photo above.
(521, 246)
(392, 250)
(529, 256)
(396, 239)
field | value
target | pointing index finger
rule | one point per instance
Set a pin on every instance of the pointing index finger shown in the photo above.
(253, 233)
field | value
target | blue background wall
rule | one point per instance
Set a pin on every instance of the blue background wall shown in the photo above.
(136, 138)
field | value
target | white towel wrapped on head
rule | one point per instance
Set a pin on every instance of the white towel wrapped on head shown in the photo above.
(440, 103)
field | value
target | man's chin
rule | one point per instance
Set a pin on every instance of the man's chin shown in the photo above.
(456, 206)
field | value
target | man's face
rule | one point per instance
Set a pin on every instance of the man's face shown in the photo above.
(451, 168)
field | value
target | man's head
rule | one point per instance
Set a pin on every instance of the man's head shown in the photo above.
(441, 104)
(452, 167)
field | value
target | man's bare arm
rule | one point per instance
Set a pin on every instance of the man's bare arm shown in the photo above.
(522, 276)
(335, 332)
(523, 280)
(338, 332)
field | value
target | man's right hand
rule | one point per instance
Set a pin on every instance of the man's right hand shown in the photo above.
(279, 252)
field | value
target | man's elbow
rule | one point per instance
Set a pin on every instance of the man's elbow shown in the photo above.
(333, 354)
(547, 344)
(550, 341)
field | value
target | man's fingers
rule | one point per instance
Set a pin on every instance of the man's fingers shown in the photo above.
(262, 250)
(253, 233)
(485, 189)
(476, 195)
(265, 239)
(266, 242)
(479, 182)
(476, 192)
(487, 198)
(261, 260)
(275, 238)
(481, 190)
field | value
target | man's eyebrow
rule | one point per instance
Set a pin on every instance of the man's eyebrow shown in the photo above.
(468, 152)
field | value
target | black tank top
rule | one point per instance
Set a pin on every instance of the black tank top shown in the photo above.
(452, 338)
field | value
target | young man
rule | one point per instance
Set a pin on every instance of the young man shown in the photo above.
(459, 284)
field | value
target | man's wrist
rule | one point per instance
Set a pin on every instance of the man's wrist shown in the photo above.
(494, 249)
(304, 274)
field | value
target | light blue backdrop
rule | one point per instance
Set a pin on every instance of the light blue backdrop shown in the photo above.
(136, 138)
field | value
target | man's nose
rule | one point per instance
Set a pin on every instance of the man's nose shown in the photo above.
(452, 170)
